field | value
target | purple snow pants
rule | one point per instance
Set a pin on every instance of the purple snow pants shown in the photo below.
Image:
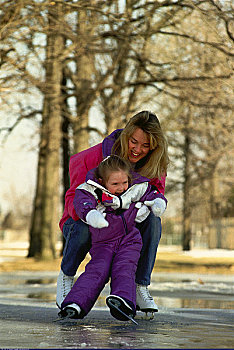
(116, 260)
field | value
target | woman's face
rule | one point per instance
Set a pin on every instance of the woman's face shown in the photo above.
(138, 145)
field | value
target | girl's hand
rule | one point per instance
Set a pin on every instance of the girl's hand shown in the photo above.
(96, 219)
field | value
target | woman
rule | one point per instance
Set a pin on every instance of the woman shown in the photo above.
(143, 144)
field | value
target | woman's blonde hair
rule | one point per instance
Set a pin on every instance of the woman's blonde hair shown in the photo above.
(154, 165)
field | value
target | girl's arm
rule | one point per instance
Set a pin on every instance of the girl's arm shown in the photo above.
(83, 202)
(85, 206)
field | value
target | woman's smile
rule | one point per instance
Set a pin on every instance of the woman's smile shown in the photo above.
(138, 145)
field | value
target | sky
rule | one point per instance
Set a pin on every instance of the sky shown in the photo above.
(17, 169)
(18, 163)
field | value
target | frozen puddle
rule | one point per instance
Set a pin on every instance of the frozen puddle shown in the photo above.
(195, 311)
(169, 289)
(30, 326)
(193, 290)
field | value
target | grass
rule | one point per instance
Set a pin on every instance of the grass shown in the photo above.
(173, 261)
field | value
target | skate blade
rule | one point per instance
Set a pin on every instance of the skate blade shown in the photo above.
(148, 316)
(123, 313)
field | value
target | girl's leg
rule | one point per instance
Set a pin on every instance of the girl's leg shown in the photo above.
(78, 243)
(124, 268)
(91, 282)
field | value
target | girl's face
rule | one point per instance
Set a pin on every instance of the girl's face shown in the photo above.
(117, 182)
(138, 145)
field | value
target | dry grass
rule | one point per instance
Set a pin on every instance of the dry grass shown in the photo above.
(166, 261)
(31, 264)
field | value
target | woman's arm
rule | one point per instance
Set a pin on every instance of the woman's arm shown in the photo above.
(159, 184)
(79, 165)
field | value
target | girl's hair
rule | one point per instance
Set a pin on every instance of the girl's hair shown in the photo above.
(154, 165)
(111, 164)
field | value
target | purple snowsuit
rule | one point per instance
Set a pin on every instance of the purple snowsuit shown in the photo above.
(115, 249)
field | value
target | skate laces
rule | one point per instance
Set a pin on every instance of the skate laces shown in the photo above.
(67, 285)
(145, 294)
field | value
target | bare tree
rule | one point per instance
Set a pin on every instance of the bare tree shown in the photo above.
(48, 173)
(173, 57)
(203, 131)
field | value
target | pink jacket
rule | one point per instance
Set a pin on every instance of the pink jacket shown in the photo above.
(84, 161)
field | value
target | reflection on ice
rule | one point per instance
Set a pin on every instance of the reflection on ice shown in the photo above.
(193, 290)
(194, 303)
(173, 290)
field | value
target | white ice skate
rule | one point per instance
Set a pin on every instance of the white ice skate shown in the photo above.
(64, 285)
(145, 302)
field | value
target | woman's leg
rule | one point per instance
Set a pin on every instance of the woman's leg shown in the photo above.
(150, 230)
(151, 233)
(78, 243)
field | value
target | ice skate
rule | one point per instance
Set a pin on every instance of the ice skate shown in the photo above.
(70, 311)
(145, 302)
(119, 308)
(64, 285)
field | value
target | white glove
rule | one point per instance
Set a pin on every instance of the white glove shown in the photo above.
(142, 213)
(158, 206)
(95, 219)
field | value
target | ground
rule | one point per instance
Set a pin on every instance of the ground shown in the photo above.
(195, 309)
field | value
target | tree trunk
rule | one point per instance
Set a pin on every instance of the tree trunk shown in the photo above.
(55, 46)
(36, 218)
(187, 233)
(84, 91)
(45, 217)
(66, 151)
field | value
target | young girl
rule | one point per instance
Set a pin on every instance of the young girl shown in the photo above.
(109, 202)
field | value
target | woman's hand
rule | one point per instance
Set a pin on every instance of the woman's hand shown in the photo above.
(158, 206)
(96, 219)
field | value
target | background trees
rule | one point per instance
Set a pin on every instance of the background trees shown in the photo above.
(65, 61)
